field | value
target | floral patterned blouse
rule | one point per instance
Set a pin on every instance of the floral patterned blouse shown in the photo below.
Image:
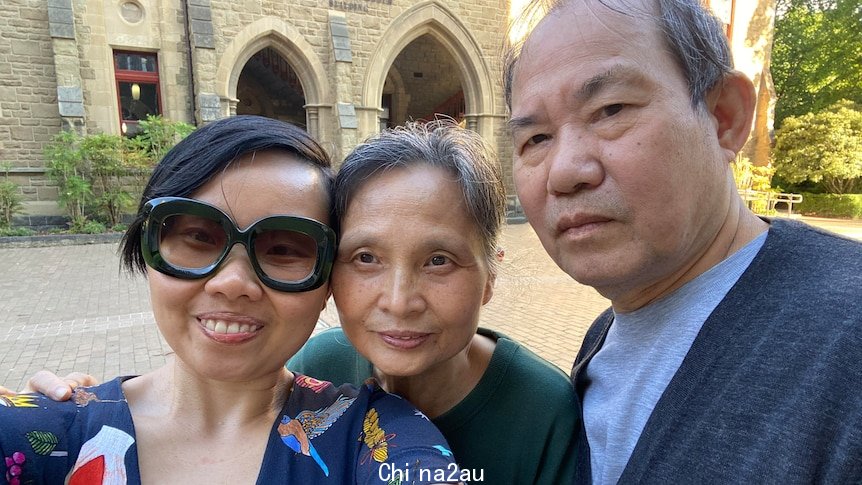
(324, 434)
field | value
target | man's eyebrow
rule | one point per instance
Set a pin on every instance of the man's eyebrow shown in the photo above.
(615, 75)
(517, 123)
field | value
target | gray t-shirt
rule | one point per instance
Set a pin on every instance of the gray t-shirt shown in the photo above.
(641, 354)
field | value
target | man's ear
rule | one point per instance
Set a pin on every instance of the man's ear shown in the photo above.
(731, 104)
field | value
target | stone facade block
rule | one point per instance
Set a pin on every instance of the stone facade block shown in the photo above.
(26, 48)
(61, 19)
(209, 106)
(340, 38)
(347, 116)
(22, 133)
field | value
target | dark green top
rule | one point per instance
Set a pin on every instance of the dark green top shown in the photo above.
(517, 426)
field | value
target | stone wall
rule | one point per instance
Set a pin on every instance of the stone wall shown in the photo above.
(56, 65)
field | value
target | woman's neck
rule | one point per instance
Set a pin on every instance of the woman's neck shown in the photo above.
(175, 392)
(443, 386)
(210, 431)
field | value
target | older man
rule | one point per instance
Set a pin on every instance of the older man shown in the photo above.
(733, 349)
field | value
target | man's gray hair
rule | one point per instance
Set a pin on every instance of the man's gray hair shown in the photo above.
(696, 39)
(440, 143)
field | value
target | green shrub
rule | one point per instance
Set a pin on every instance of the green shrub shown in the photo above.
(831, 205)
(104, 155)
(10, 197)
(100, 176)
(16, 231)
(67, 167)
(82, 225)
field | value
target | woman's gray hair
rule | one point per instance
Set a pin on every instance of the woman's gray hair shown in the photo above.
(440, 143)
(695, 37)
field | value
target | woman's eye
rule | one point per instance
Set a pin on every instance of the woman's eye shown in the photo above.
(200, 236)
(366, 258)
(438, 260)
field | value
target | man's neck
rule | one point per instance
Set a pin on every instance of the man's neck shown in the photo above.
(740, 228)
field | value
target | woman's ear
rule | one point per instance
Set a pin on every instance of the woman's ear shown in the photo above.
(731, 104)
(328, 295)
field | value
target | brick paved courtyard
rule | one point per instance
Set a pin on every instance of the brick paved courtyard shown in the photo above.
(70, 308)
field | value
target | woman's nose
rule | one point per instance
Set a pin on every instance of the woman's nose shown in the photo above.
(235, 277)
(401, 294)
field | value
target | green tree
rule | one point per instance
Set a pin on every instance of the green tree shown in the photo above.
(816, 55)
(823, 147)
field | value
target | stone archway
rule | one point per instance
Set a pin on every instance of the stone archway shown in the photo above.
(435, 20)
(274, 33)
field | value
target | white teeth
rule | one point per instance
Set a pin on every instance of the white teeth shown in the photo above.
(219, 326)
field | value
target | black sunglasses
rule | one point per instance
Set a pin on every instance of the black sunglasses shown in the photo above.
(190, 239)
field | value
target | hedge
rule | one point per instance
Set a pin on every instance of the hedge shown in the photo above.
(847, 206)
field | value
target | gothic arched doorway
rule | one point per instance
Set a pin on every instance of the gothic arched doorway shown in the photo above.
(420, 84)
(268, 86)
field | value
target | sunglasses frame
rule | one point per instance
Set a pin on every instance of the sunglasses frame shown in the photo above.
(158, 209)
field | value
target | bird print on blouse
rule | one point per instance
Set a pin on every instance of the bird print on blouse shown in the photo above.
(298, 432)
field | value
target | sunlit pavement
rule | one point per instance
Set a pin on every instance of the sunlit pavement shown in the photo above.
(70, 308)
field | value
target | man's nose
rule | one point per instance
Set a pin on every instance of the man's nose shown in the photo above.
(574, 163)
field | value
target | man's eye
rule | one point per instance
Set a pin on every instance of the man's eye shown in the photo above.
(612, 109)
(536, 139)
(366, 258)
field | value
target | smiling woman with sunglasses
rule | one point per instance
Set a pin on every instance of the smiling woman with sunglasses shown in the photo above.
(232, 234)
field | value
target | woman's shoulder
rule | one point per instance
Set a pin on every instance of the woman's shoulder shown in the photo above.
(328, 344)
(330, 356)
(41, 437)
(388, 430)
(513, 363)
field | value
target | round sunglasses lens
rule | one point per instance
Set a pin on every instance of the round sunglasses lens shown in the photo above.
(191, 242)
(284, 255)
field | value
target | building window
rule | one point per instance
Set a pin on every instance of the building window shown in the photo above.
(138, 93)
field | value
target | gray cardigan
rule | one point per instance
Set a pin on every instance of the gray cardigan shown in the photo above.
(771, 389)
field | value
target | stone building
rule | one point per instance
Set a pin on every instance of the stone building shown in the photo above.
(340, 68)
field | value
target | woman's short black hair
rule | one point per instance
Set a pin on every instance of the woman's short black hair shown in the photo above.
(206, 153)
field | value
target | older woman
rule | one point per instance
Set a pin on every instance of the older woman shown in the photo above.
(420, 209)
(232, 236)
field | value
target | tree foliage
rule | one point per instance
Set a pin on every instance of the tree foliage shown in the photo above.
(823, 147)
(816, 55)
